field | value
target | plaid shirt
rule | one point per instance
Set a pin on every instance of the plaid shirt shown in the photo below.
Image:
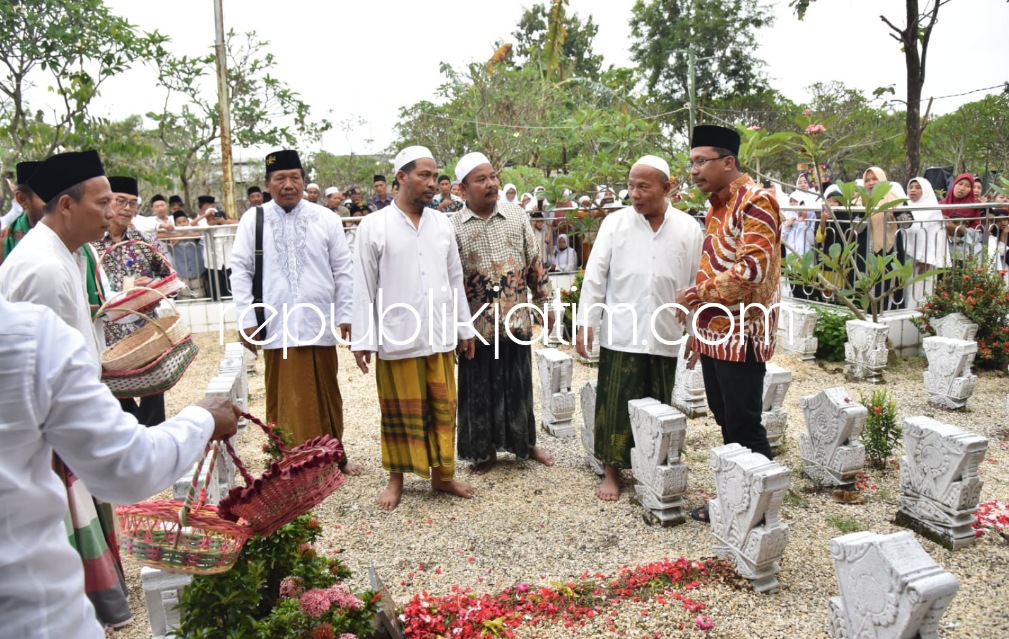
(500, 251)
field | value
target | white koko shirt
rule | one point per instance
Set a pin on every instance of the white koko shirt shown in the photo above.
(305, 261)
(409, 299)
(51, 400)
(43, 271)
(634, 271)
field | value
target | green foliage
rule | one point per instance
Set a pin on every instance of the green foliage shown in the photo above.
(846, 524)
(344, 171)
(830, 334)
(973, 287)
(971, 137)
(882, 432)
(525, 179)
(570, 296)
(573, 54)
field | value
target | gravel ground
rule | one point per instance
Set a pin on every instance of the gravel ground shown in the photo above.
(534, 524)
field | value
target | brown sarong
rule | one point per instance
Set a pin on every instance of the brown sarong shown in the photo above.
(302, 392)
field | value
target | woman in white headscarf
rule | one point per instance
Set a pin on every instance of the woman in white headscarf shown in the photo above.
(510, 194)
(526, 199)
(926, 237)
(565, 258)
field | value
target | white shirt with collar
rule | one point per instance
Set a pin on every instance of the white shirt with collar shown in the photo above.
(305, 261)
(51, 400)
(633, 267)
(44, 271)
(409, 299)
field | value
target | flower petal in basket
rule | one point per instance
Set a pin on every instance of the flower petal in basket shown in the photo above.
(141, 300)
(157, 377)
(292, 485)
(152, 535)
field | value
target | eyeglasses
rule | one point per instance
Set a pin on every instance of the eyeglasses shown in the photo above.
(700, 163)
(126, 203)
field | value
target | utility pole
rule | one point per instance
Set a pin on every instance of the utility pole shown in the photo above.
(224, 111)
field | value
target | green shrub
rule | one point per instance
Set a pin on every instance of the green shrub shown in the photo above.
(846, 524)
(882, 431)
(830, 334)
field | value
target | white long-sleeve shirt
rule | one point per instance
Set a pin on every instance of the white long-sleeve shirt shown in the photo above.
(305, 261)
(409, 299)
(44, 271)
(634, 271)
(51, 400)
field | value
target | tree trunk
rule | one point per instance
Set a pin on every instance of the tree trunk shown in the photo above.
(915, 80)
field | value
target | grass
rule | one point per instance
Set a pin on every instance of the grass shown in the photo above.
(846, 524)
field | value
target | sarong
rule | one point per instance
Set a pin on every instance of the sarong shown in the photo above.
(418, 403)
(496, 402)
(302, 392)
(91, 529)
(623, 377)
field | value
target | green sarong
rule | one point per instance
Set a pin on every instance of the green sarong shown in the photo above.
(623, 377)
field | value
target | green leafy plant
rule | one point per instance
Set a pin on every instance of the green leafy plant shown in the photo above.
(882, 431)
(570, 296)
(830, 334)
(846, 524)
(978, 291)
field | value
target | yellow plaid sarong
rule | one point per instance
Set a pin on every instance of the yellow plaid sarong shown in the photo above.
(417, 398)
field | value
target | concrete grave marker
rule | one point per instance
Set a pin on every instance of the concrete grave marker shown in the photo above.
(830, 447)
(949, 380)
(659, 433)
(556, 397)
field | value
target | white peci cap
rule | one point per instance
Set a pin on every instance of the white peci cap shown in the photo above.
(655, 162)
(469, 162)
(410, 154)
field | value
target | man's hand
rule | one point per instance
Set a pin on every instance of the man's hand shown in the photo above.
(691, 353)
(345, 332)
(583, 341)
(467, 348)
(225, 415)
(247, 335)
(363, 359)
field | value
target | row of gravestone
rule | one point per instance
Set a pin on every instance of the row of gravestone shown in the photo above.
(162, 590)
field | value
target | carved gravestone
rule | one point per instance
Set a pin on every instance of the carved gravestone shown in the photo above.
(939, 481)
(865, 351)
(796, 331)
(955, 326)
(227, 385)
(556, 397)
(890, 588)
(588, 400)
(235, 363)
(774, 417)
(387, 625)
(830, 446)
(949, 380)
(744, 516)
(659, 433)
(688, 390)
(162, 591)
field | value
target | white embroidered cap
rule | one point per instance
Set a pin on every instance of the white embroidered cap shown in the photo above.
(331, 190)
(469, 162)
(655, 162)
(410, 154)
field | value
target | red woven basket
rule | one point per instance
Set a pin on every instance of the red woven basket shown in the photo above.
(176, 537)
(293, 484)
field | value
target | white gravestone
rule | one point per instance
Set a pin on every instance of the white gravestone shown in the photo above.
(226, 384)
(162, 591)
(865, 351)
(556, 396)
(939, 481)
(796, 330)
(948, 380)
(774, 417)
(744, 516)
(659, 433)
(688, 389)
(830, 447)
(955, 326)
(588, 401)
(890, 588)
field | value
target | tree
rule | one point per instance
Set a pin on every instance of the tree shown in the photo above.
(264, 110)
(972, 138)
(720, 34)
(552, 40)
(914, 38)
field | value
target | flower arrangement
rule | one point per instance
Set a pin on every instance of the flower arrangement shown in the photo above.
(882, 431)
(462, 614)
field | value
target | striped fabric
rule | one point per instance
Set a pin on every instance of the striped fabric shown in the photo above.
(740, 264)
(418, 403)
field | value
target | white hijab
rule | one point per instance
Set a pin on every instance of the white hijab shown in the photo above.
(927, 240)
(513, 199)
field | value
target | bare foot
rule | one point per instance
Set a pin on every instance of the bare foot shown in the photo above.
(389, 498)
(609, 490)
(352, 469)
(453, 487)
(541, 455)
(484, 467)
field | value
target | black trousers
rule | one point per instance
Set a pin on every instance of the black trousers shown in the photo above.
(150, 412)
(735, 393)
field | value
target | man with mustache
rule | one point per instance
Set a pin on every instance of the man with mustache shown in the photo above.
(303, 261)
(410, 309)
(501, 265)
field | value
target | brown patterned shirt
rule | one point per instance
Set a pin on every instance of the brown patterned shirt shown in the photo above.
(500, 252)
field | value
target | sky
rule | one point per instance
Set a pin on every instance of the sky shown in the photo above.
(354, 61)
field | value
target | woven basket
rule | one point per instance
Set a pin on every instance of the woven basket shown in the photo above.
(293, 485)
(143, 298)
(176, 537)
(154, 378)
(147, 343)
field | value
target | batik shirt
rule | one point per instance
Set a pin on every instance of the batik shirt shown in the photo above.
(456, 205)
(500, 252)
